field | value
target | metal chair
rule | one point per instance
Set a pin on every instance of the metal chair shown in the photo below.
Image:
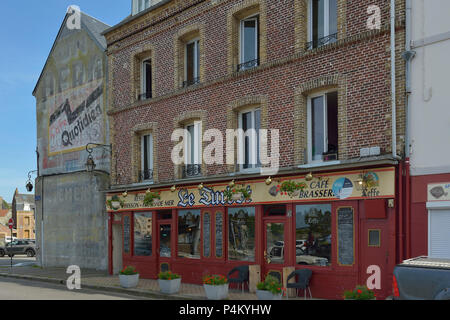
(242, 278)
(303, 279)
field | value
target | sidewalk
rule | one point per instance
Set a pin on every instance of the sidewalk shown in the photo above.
(100, 280)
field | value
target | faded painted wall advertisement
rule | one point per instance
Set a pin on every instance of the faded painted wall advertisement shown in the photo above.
(76, 118)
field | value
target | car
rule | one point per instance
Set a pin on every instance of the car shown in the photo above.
(276, 254)
(18, 247)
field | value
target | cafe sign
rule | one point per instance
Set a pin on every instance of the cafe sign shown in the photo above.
(349, 185)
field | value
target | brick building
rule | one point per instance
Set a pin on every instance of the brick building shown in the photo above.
(23, 214)
(311, 69)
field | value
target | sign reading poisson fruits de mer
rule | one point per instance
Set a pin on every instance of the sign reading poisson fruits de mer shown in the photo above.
(350, 185)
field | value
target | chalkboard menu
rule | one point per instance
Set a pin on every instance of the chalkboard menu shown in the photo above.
(346, 236)
(126, 234)
(219, 234)
(206, 235)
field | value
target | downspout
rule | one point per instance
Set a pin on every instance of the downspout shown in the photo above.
(393, 83)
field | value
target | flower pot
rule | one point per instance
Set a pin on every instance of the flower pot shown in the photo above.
(169, 286)
(129, 281)
(216, 292)
(115, 205)
(237, 196)
(267, 295)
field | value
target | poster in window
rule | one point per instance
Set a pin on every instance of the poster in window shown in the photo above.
(346, 236)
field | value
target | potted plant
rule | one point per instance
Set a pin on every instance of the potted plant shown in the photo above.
(169, 283)
(269, 289)
(360, 293)
(129, 277)
(150, 196)
(291, 188)
(216, 287)
(237, 193)
(115, 203)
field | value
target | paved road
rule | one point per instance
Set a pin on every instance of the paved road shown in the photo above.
(6, 261)
(15, 289)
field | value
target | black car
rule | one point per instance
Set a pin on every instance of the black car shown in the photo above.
(17, 247)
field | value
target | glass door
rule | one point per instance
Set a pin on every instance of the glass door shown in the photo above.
(275, 249)
(164, 249)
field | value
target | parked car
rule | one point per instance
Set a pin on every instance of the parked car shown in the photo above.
(422, 278)
(18, 247)
(276, 253)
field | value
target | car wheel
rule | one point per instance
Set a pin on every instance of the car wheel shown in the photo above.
(2, 253)
(30, 253)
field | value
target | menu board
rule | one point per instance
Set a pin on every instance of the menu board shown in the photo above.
(346, 236)
(126, 234)
(219, 234)
(206, 235)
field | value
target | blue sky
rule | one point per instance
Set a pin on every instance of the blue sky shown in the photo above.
(27, 32)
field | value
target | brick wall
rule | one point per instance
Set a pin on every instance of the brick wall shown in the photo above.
(357, 66)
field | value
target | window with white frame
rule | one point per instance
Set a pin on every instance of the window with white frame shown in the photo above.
(192, 63)
(193, 150)
(146, 79)
(146, 173)
(322, 27)
(323, 127)
(249, 43)
(249, 144)
(141, 5)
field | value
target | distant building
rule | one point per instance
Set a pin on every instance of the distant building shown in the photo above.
(23, 214)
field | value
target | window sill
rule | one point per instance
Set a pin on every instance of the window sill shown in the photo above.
(319, 164)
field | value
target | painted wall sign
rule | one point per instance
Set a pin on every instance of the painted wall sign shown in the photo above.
(439, 192)
(328, 187)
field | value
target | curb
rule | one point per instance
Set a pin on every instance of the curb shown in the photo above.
(139, 293)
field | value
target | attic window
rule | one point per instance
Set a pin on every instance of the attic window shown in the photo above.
(141, 5)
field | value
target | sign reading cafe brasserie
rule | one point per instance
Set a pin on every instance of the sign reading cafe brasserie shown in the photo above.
(377, 183)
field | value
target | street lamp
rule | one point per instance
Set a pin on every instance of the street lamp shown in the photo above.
(90, 163)
(29, 186)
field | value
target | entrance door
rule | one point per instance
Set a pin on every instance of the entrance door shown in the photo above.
(275, 249)
(164, 249)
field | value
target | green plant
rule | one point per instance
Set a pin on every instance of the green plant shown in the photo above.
(128, 271)
(229, 192)
(150, 197)
(360, 293)
(270, 284)
(215, 280)
(115, 198)
(290, 187)
(168, 275)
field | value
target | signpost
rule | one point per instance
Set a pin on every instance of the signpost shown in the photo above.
(11, 226)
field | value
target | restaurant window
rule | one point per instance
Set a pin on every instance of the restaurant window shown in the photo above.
(192, 63)
(143, 234)
(249, 144)
(313, 235)
(249, 43)
(322, 23)
(189, 233)
(146, 173)
(241, 235)
(323, 127)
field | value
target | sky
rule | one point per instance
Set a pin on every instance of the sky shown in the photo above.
(27, 32)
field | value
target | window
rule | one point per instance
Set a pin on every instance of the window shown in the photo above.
(146, 80)
(249, 43)
(322, 23)
(193, 150)
(323, 127)
(27, 221)
(250, 123)
(189, 232)
(141, 5)
(313, 235)
(146, 173)
(241, 234)
(192, 63)
(143, 234)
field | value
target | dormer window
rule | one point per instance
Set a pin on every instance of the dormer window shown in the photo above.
(141, 5)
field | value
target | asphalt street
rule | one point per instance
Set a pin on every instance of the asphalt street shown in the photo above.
(15, 289)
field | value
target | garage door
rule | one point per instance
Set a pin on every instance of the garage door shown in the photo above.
(439, 234)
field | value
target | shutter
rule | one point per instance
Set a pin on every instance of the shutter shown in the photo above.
(439, 237)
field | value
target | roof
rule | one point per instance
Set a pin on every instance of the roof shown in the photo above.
(24, 198)
(4, 213)
(94, 28)
(4, 229)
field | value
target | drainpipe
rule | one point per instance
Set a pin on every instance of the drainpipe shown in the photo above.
(393, 83)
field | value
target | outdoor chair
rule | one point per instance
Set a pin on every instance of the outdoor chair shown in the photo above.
(242, 277)
(303, 279)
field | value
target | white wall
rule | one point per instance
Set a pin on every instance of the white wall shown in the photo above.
(430, 82)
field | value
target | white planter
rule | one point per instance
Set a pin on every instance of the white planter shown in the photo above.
(216, 292)
(129, 281)
(237, 196)
(115, 205)
(169, 286)
(267, 295)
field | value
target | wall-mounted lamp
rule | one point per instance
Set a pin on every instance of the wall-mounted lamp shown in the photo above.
(125, 194)
(29, 186)
(90, 163)
(201, 186)
(173, 189)
(232, 184)
(269, 181)
(309, 177)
